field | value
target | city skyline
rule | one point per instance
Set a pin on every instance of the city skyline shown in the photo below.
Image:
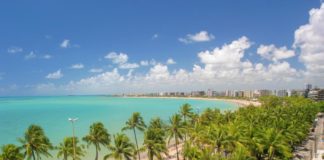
(72, 48)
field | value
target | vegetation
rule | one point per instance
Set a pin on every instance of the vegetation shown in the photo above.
(66, 150)
(122, 148)
(98, 135)
(11, 152)
(135, 122)
(268, 132)
(35, 143)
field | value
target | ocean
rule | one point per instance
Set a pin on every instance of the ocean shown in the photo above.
(52, 113)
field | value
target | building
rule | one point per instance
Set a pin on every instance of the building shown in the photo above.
(209, 93)
(248, 94)
(198, 93)
(316, 94)
(265, 92)
(281, 93)
(239, 94)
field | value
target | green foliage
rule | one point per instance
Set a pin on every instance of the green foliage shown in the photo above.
(121, 149)
(35, 143)
(66, 150)
(10, 152)
(155, 139)
(98, 135)
(135, 122)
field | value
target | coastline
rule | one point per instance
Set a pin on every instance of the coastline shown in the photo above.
(237, 102)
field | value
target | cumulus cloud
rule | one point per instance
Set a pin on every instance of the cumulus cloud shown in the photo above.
(31, 55)
(65, 43)
(47, 56)
(77, 66)
(55, 75)
(144, 63)
(170, 61)
(224, 67)
(309, 39)
(121, 60)
(128, 66)
(96, 70)
(14, 49)
(271, 52)
(116, 58)
(155, 36)
(202, 36)
(158, 72)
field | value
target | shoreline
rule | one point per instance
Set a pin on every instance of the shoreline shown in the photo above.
(237, 102)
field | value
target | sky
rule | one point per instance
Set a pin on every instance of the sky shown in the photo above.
(59, 47)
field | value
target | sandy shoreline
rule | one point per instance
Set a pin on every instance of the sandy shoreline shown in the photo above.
(238, 102)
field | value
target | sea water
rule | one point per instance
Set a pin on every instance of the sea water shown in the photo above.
(52, 113)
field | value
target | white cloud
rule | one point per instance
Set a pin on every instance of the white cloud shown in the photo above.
(171, 61)
(128, 66)
(153, 62)
(31, 55)
(202, 36)
(77, 66)
(65, 43)
(96, 70)
(157, 72)
(220, 68)
(14, 49)
(55, 75)
(155, 36)
(271, 52)
(144, 63)
(116, 58)
(309, 39)
(47, 56)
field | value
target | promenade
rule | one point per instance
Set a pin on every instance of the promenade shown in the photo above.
(313, 147)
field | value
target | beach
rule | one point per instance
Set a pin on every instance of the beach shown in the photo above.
(237, 102)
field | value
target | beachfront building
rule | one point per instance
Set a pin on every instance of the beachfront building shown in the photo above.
(198, 93)
(248, 94)
(265, 92)
(316, 94)
(281, 93)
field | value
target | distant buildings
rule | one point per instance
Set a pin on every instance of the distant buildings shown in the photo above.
(314, 94)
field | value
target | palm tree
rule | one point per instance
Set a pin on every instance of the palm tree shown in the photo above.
(154, 144)
(122, 149)
(35, 143)
(65, 149)
(274, 144)
(186, 111)
(11, 152)
(175, 130)
(98, 135)
(135, 122)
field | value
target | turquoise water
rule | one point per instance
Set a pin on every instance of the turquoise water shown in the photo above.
(52, 113)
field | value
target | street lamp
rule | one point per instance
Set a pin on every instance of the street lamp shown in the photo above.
(73, 120)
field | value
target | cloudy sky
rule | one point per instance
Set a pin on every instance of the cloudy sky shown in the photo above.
(64, 47)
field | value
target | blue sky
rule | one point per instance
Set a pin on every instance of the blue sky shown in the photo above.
(41, 40)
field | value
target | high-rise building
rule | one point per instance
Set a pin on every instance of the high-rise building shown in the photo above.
(281, 93)
(316, 94)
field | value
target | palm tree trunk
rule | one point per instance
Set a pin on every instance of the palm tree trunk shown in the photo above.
(176, 141)
(33, 154)
(96, 153)
(139, 157)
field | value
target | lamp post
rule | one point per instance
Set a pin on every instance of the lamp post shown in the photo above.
(73, 120)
